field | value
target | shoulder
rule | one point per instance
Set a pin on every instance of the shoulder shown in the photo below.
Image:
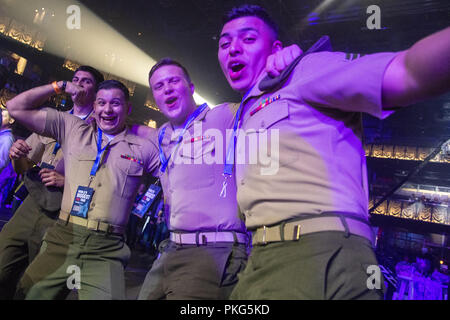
(67, 118)
(224, 110)
(144, 136)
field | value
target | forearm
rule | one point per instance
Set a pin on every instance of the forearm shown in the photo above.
(24, 107)
(421, 72)
(428, 62)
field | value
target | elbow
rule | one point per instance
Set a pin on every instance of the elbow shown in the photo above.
(12, 108)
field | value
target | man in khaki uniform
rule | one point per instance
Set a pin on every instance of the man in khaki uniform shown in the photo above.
(21, 237)
(309, 215)
(104, 164)
(208, 240)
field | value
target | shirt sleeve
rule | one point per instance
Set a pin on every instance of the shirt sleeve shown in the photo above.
(59, 125)
(153, 162)
(349, 82)
(37, 147)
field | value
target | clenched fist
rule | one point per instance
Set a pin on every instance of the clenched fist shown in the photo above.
(279, 60)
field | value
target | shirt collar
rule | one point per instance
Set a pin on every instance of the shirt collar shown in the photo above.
(255, 92)
(170, 137)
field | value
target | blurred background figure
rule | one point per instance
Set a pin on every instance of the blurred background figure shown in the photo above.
(7, 174)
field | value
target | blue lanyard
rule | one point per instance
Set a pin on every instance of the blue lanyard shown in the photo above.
(100, 152)
(229, 160)
(162, 157)
(56, 148)
(57, 145)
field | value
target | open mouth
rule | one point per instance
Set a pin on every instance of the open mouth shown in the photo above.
(235, 69)
(171, 101)
(109, 120)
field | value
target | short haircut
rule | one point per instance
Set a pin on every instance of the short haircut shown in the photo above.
(168, 62)
(98, 76)
(3, 76)
(250, 10)
(114, 84)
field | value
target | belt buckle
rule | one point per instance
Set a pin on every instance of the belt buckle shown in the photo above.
(96, 225)
(296, 235)
(178, 238)
(264, 235)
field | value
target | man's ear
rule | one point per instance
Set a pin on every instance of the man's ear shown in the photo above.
(192, 87)
(276, 46)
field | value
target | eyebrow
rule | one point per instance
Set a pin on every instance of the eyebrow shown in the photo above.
(226, 34)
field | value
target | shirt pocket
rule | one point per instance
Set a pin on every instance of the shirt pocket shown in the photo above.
(194, 166)
(129, 177)
(197, 150)
(268, 140)
(79, 167)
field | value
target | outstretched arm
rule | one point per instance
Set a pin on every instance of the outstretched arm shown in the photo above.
(421, 72)
(25, 106)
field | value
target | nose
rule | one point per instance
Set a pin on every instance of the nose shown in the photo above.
(235, 47)
(108, 108)
(168, 88)
(78, 82)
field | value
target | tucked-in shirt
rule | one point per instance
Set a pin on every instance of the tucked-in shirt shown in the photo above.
(193, 180)
(116, 182)
(299, 148)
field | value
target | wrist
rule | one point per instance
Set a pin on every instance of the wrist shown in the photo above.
(59, 87)
(56, 87)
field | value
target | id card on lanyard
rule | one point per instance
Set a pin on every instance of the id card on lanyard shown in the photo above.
(142, 206)
(230, 155)
(50, 165)
(83, 196)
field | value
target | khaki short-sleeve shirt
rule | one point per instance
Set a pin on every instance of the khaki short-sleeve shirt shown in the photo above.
(299, 149)
(193, 181)
(116, 182)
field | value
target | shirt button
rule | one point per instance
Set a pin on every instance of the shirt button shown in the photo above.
(242, 182)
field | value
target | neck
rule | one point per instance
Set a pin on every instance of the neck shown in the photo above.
(82, 110)
(179, 123)
(114, 132)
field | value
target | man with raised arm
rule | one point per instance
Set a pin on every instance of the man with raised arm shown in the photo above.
(103, 169)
